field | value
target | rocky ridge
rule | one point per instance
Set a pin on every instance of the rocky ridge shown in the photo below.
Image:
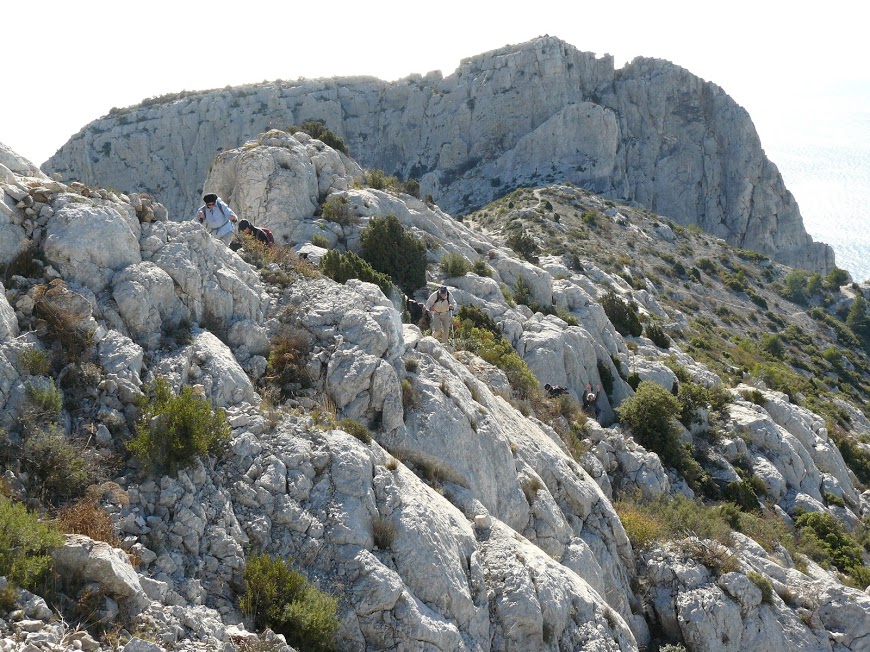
(502, 539)
(540, 112)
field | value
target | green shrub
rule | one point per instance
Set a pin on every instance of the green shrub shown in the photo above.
(56, 468)
(336, 209)
(34, 361)
(44, 405)
(355, 428)
(772, 344)
(288, 355)
(174, 430)
(480, 268)
(283, 599)
(391, 250)
(651, 416)
(657, 334)
(692, 397)
(377, 180)
(522, 292)
(741, 494)
(341, 267)
(633, 380)
(317, 129)
(320, 240)
(671, 518)
(825, 534)
(622, 315)
(606, 377)
(25, 546)
(762, 583)
(524, 245)
(411, 187)
(453, 265)
(495, 349)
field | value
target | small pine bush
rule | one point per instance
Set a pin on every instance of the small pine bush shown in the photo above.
(336, 209)
(453, 265)
(480, 268)
(657, 334)
(622, 315)
(341, 267)
(25, 546)
(524, 245)
(651, 416)
(283, 599)
(317, 129)
(390, 249)
(764, 584)
(56, 469)
(34, 362)
(174, 430)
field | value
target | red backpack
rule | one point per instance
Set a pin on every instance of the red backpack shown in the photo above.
(270, 238)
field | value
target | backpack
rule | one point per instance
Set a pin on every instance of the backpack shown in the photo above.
(269, 237)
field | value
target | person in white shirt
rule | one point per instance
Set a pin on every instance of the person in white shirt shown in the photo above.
(217, 218)
(441, 307)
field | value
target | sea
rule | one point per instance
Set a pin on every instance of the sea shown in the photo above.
(822, 150)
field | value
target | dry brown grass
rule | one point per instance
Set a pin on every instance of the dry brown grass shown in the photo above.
(90, 519)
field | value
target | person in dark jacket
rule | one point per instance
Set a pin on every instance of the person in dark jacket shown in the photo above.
(590, 401)
(249, 229)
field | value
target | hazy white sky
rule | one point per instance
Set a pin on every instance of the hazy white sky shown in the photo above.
(73, 61)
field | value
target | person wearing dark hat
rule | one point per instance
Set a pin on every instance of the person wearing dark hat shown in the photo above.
(217, 218)
(441, 307)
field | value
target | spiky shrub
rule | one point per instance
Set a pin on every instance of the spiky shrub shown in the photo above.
(288, 355)
(621, 314)
(657, 334)
(524, 245)
(174, 430)
(55, 467)
(829, 541)
(651, 416)
(341, 267)
(281, 598)
(336, 209)
(34, 361)
(25, 546)
(453, 265)
(393, 251)
(355, 428)
(317, 129)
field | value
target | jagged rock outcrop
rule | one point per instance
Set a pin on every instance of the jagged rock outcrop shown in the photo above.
(530, 114)
(463, 524)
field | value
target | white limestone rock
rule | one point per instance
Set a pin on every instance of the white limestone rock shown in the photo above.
(8, 320)
(146, 299)
(89, 241)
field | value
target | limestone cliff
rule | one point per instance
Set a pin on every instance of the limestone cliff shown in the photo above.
(539, 112)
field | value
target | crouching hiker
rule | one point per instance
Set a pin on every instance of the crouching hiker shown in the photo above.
(217, 218)
(440, 306)
(259, 234)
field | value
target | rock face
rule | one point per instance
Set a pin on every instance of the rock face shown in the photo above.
(530, 114)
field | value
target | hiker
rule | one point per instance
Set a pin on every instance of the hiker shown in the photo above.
(261, 235)
(590, 401)
(554, 391)
(440, 306)
(217, 218)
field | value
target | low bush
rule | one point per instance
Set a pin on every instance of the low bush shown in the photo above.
(34, 362)
(392, 250)
(496, 350)
(651, 416)
(621, 314)
(55, 467)
(336, 209)
(355, 428)
(480, 268)
(670, 518)
(90, 519)
(657, 334)
(278, 597)
(317, 129)
(828, 541)
(383, 532)
(174, 430)
(524, 245)
(288, 355)
(341, 267)
(453, 265)
(25, 547)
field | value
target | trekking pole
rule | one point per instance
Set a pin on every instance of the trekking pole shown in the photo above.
(452, 338)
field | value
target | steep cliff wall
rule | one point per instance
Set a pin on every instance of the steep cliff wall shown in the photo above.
(530, 114)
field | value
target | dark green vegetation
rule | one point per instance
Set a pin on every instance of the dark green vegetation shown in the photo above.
(175, 430)
(281, 598)
(738, 312)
